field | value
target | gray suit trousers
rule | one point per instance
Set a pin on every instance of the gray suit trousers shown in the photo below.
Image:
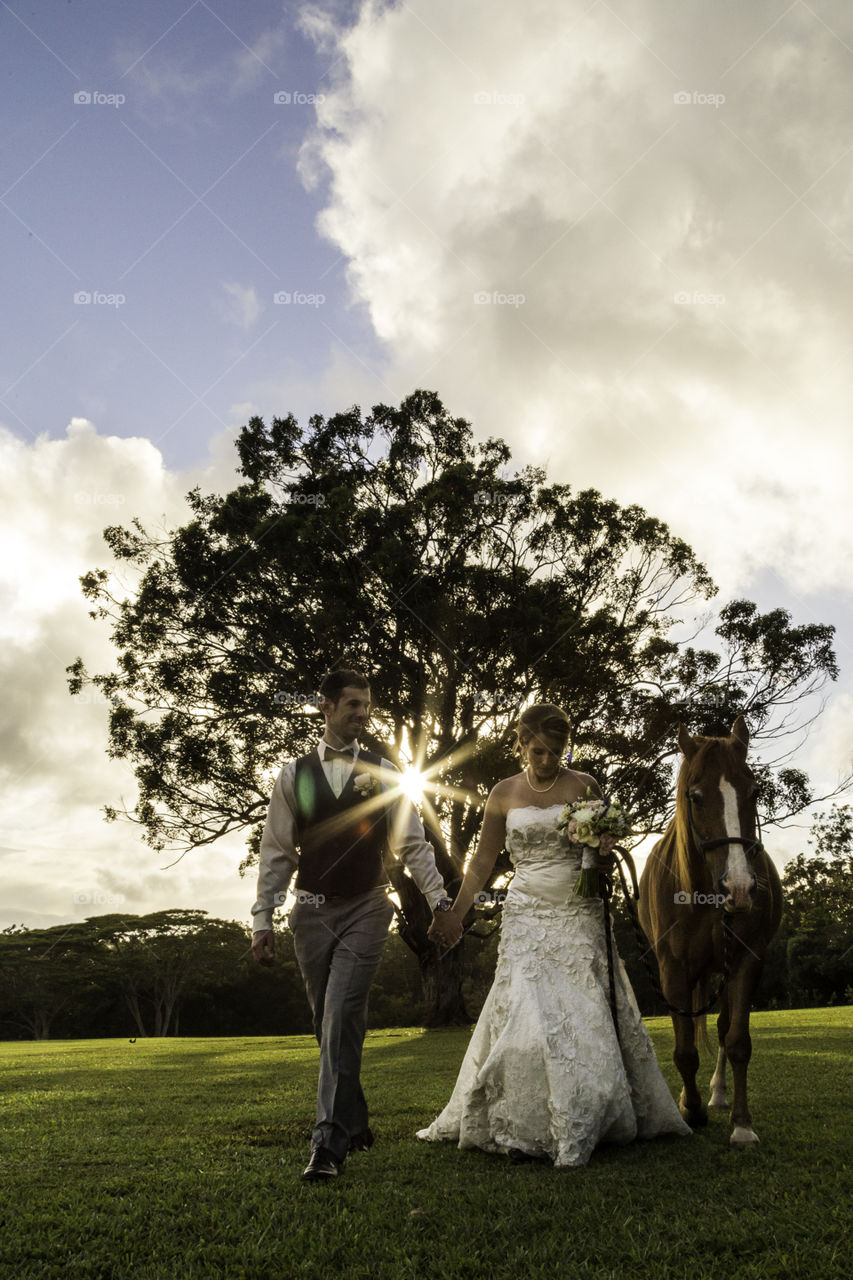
(338, 946)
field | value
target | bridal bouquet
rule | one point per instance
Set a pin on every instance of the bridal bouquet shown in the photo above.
(585, 822)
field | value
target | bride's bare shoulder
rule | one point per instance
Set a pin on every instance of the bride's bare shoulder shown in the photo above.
(501, 794)
(584, 780)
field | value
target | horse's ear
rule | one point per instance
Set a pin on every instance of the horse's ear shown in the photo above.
(740, 734)
(687, 744)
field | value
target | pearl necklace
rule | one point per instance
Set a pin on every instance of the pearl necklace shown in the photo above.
(540, 790)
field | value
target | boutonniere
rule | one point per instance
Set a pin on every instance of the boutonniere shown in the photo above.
(365, 782)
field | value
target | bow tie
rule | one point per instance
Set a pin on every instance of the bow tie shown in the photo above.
(332, 754)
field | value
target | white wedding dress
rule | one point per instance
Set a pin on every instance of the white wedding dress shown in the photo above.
(544, 1073)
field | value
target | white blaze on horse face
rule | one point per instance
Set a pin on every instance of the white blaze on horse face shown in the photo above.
(738, 878)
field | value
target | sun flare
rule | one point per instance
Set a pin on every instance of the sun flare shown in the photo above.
(412, 784)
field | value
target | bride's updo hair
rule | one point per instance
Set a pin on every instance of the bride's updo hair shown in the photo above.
(542, 720)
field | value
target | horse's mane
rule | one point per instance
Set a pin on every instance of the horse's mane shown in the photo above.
(685, 860)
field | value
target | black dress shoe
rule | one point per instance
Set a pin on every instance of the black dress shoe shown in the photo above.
(322, 1166)
(361, 1141)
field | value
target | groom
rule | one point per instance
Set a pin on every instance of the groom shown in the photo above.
(332, 815)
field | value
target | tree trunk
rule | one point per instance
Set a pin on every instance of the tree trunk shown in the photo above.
(441, 976)
(132, 1001)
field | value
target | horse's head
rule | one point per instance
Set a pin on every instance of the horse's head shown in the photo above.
(716, 798)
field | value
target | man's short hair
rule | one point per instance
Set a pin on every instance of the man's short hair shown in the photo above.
(333, 683)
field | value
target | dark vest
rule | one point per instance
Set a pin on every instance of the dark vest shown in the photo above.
(341, 840)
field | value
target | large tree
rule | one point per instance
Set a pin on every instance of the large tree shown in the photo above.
(395, 542)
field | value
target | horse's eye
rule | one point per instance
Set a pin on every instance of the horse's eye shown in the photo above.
(696, 797)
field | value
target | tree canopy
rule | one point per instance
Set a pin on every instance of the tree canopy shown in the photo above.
(396, 542)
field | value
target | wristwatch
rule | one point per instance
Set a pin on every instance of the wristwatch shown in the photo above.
(443, 904)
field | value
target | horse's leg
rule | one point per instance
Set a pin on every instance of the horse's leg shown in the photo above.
(686, 1059)
(718, 1099)
(738, 1046)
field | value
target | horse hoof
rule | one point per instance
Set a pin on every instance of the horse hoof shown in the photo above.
(718, 1102)
(696, 1119)
(742, 1137)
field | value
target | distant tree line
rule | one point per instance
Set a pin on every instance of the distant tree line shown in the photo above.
(179, 972)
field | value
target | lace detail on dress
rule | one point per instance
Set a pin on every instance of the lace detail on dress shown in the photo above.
(543, 1071)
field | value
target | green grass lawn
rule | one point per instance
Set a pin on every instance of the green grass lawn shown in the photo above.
(182, 1158)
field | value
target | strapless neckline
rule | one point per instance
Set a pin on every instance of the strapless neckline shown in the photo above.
(543, 808)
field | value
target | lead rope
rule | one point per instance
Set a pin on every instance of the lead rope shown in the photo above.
(606, 886)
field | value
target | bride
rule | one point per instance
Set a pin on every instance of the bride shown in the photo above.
(544, 1074)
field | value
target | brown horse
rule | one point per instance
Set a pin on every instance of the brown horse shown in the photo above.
(710, 901)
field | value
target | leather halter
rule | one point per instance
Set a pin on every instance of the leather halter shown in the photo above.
(749, 846)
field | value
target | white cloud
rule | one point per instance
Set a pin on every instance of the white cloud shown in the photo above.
(56, 496)
(677, 272)
(254, 64)
(240, 306)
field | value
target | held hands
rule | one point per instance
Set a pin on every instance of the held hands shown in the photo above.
(446, 929)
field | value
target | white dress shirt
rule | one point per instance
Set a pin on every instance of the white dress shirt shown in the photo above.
(279, 856)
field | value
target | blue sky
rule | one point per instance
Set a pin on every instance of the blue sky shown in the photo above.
(616, 233)
(169, 196)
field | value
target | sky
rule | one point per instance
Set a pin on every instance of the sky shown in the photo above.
(618, 235)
